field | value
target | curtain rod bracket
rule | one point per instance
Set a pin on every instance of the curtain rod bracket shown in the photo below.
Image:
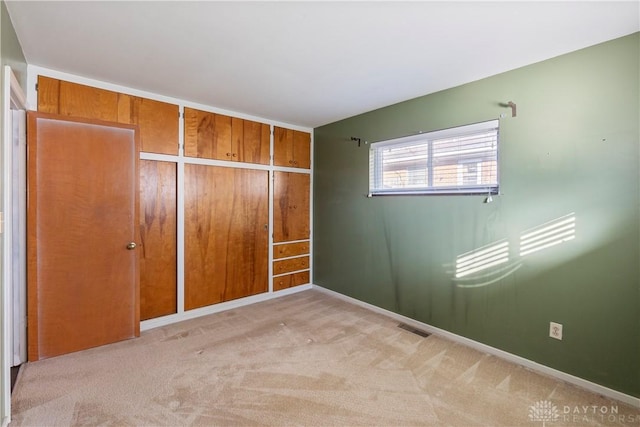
(511, 105)
(353, 138)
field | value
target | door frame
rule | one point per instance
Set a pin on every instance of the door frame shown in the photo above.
(14, 99)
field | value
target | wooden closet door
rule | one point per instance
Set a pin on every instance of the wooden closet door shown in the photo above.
(158, 249)
(291, 206)
(282, 147)
(254, 146)
(302, 149)
(158, 123)
(83, 280)
(291, 148)
(215, 136)
(207, 135)
(226, 234)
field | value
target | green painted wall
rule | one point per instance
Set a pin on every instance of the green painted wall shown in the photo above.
(10, 49)
(572, 149)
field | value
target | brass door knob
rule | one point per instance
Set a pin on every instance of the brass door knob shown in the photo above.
(131, 246)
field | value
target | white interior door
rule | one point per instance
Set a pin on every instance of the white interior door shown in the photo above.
(19, 236)
(13, 100)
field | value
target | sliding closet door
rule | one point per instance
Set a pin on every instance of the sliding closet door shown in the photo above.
(83, 276)
(226, 234)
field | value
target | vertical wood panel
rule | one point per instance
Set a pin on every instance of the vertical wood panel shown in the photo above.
(124, 108)
(291, 206)
(226, 242)
(237, 138)
(302, 149)
(191, 131)
(282, 147)
(48, 95)
(158, 292)
(254, 146)
(266, 142)
(222, 138)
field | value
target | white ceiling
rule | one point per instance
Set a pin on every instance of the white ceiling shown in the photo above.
(306, 63)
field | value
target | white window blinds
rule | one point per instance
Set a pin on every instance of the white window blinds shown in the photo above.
(451, 161)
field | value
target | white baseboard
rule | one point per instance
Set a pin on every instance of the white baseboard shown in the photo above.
(580, 382)
(145, 325)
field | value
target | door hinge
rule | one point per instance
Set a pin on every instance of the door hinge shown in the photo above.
(36, 87)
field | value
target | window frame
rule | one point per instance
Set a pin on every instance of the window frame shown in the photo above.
(376, 170)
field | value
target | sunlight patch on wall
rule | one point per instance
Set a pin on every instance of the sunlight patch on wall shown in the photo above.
(493, 262)
(482, 258)
(549, 234)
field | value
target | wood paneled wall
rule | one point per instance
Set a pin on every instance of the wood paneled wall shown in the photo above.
(158, 126)
(226, 216)
(158, 121)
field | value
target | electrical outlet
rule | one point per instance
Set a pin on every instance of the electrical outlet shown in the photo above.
(555, 330)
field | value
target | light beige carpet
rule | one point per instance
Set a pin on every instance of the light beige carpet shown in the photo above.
(304, 359)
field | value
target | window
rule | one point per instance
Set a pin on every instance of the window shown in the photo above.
(460, 160)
